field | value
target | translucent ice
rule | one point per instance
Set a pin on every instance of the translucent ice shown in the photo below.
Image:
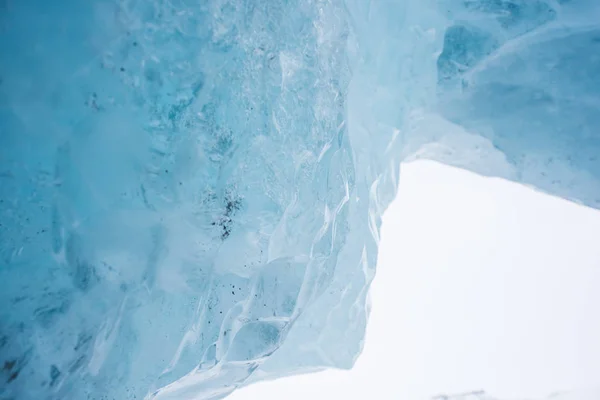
(191, 191)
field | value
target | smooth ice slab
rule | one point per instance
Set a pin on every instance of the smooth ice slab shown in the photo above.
(191, 192)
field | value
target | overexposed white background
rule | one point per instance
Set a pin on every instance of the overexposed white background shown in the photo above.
(482, 284)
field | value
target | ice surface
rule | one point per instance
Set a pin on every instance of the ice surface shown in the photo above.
(589, 394)
(191, 191)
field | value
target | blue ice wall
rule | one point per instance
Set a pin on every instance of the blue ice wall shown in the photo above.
(191, 191)
(525, 75)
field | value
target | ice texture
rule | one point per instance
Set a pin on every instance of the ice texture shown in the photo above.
(191, 190)
(581, 394)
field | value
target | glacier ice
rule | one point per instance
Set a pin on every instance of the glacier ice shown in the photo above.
(581, 394)
(191, 191)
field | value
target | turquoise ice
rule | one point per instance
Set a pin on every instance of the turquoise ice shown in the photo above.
(191, 191)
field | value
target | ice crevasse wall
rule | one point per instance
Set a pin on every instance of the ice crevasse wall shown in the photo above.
(191, 191)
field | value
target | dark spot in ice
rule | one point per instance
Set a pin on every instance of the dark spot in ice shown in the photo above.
(13, 376)
(58, 304)
(232, 205)
(85, 276)
(122, 69)
(83, 341)
(9, 365)
(83, 273)
(54, 374)
(77, 364)
(12, 368)
(18, 299)
(226, 232)
(135, 44)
